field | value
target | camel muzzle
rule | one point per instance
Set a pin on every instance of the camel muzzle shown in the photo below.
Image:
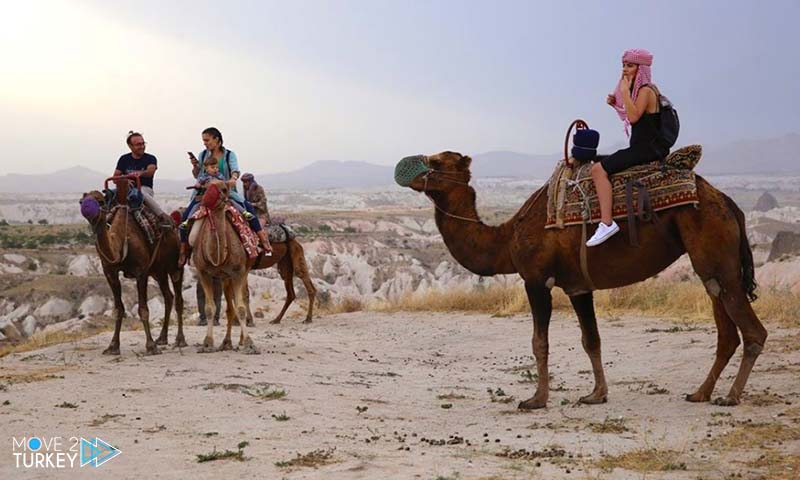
(410, 168)
(90, 208)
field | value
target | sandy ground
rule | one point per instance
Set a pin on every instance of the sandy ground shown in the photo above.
(365, 388)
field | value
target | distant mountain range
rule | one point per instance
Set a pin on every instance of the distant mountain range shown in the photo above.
(752, 157)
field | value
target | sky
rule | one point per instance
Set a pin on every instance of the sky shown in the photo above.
(290, 83)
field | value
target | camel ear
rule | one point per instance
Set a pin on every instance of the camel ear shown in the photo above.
(464, 162)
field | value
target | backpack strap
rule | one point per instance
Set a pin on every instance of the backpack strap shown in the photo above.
(658, 95)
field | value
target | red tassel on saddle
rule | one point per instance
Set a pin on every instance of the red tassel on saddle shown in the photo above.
(210, 200)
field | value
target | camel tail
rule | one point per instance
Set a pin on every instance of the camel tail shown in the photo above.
(745, 253)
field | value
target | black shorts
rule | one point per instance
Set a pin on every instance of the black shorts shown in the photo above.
(629, 157)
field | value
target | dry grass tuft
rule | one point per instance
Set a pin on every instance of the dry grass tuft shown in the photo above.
(345, 305)
(654, 297)
(755, 435)
(312, 459)
(643, 460)
(777, 465)
(38, 375)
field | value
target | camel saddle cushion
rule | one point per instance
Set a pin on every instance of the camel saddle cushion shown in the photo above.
(668, 184)
(246, 234)
(280, 233)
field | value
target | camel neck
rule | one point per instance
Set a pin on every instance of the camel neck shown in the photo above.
(482, 249)
(110, 240)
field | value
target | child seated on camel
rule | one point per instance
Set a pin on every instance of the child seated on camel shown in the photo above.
(210, 172)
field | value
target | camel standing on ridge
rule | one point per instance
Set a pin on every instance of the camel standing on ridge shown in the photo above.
(713, 234)
(218, 252)
(123, 247)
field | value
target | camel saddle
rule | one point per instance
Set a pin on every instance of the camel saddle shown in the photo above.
(246, 234)
(638, 191)
(280, 233)
(147, 220)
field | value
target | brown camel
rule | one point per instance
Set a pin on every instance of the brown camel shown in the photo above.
(218, 252)
(123, 247)
(713, 234)
(291, 261)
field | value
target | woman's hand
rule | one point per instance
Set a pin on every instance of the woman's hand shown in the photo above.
(625, 85)
(231, 183)
(611, 99)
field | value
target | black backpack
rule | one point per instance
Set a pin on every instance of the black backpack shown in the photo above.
(670, 123)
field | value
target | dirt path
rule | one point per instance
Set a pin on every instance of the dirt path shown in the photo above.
(408, 396)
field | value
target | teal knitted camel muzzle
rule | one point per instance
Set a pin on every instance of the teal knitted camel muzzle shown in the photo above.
(410, 168)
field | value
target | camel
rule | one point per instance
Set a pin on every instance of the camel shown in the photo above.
(218, 252)
(291, 261)
(713, 234)
(123, 247)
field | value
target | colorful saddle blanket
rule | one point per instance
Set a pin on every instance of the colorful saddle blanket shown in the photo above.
(571, 191)
(147, 220)
(246, 234)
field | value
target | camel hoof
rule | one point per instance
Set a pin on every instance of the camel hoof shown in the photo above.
(593, 399)
(275, 322)
(248, 347)
(111, 350)
(152, 350)
(207, 346)
(162, 340)
(697, 397)
(726, 401)
(180, 342)
(225, 345)
(307, 320)
(532, 403)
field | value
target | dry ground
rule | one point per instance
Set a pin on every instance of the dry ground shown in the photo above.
(409, 395)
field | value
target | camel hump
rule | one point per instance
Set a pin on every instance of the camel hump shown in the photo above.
(685, 158)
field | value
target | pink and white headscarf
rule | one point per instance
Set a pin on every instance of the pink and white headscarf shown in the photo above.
(644, 59)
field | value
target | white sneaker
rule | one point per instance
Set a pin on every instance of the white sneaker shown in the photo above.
(603, 233)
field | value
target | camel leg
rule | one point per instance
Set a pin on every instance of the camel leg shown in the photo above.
(163, 285)
(230, 313)
(144, 315)
(119, 311)
(590, 338)
(285, 269)
(727, 342)
(541, 306)
(312, 295)
(239, 289)
(208, 290)
(754, 335)
(177, 286)
(250, 322)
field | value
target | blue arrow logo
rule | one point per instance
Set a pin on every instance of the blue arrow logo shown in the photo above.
(97, 452)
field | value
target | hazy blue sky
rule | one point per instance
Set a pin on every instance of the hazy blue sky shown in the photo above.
(289, 83)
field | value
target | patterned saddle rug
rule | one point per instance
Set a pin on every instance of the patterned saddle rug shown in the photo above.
(571, 191)
(147, 220)
(246, 234)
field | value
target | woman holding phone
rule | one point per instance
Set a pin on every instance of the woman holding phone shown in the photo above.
(229, 168)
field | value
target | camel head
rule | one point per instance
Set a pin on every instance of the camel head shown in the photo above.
(436, 173)
(216, 194)
(92, 205)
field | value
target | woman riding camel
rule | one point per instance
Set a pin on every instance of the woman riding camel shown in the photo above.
(229, 169)
(636, 101)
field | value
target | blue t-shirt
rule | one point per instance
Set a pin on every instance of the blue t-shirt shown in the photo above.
(127, 165)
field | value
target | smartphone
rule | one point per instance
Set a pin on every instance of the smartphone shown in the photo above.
(192, 157)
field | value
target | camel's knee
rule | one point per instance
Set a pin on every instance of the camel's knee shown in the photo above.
(591, 344)
(713, 287)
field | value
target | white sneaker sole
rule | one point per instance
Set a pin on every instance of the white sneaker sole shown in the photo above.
(593, 242)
